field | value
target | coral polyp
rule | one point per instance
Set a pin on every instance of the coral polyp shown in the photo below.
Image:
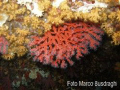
(58, 46)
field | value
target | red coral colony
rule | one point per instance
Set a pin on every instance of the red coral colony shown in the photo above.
(58, 46)
(3, 45)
